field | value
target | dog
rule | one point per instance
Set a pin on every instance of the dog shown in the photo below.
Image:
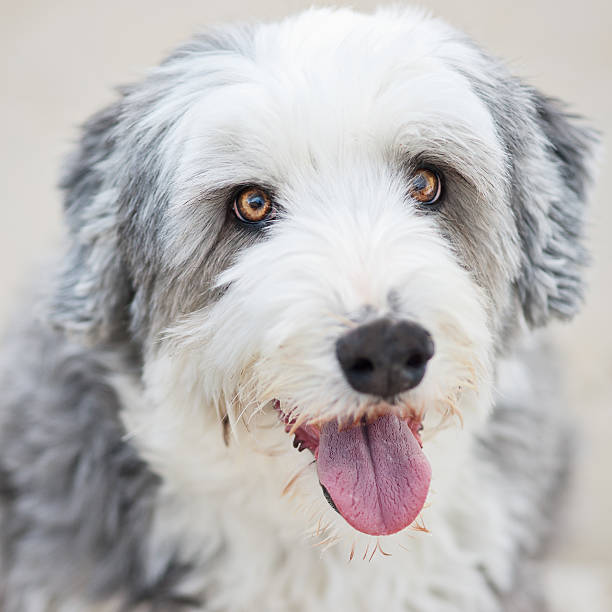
(291, 359)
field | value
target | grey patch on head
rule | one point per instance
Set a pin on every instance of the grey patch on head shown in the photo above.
(550, 157)
(481, 233)
(117, 190)
(214, 238)
(483, 238)
(76, 500)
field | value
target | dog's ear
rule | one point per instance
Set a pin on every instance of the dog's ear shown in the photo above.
(551, 158)
(117, 187)
(551, 176)
(93, 290)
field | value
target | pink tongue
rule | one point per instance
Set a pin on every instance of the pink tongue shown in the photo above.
(376, 474)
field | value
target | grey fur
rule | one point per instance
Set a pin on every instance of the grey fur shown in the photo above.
(76, 500)
(114, 282)
(571, 149)
(551, 161)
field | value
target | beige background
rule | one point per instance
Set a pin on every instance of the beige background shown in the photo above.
(60, 59)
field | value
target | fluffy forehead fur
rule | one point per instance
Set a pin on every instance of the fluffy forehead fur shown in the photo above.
(331, 112)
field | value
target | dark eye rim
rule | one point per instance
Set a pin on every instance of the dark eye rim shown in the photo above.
(437, 200)
(233, 205)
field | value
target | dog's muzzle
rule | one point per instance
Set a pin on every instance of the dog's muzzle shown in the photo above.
(373, 471)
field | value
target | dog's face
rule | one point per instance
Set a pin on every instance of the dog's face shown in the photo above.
(320, 234)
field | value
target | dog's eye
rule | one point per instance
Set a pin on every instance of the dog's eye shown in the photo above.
(253, 205)
(425, 186)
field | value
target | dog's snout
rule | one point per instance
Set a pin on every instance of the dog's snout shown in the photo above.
(385, 357)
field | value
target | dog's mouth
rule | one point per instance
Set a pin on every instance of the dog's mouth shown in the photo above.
(373, 473)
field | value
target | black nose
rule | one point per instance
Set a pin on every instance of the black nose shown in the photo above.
(385, 357)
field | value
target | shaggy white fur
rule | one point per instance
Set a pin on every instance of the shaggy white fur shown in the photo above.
(214, 341)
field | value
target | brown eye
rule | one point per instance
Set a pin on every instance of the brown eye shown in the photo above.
(252, 205)
(425, 186)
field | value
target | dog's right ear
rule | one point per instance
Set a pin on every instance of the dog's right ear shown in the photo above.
(92, 293)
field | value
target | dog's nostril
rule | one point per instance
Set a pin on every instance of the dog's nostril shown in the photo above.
(385, 357)
(362, 366)
(415, 361)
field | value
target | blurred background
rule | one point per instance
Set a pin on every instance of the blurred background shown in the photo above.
(60, 60)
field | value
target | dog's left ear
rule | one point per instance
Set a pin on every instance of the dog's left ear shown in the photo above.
(552, 164)
(551, 159)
